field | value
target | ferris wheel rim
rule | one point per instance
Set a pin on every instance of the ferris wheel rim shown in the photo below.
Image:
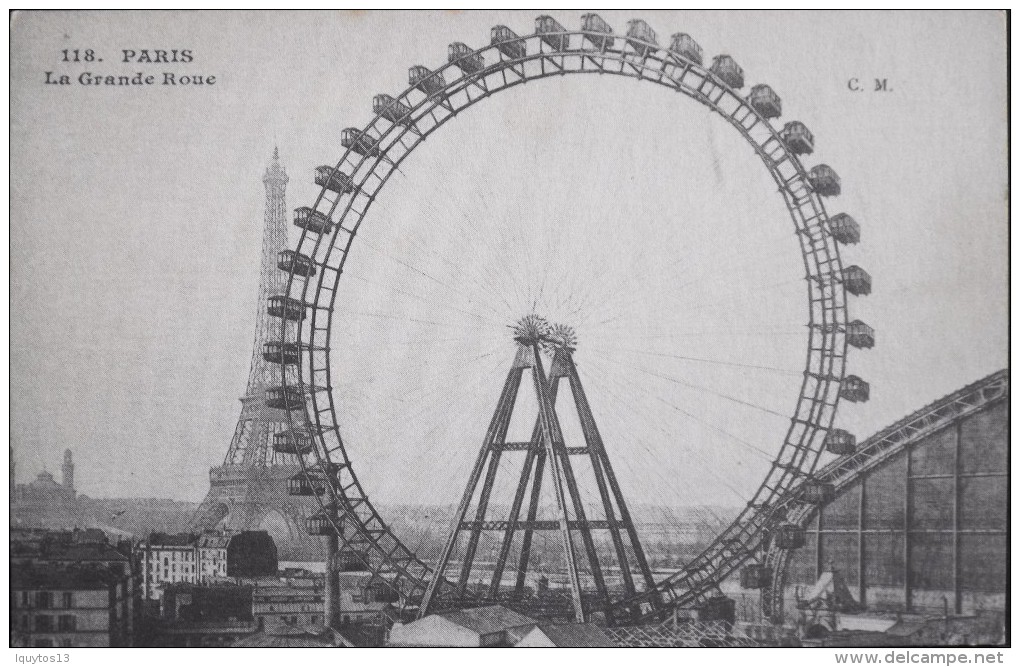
(824, 336)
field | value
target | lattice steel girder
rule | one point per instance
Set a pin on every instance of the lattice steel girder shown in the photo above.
(561, 472)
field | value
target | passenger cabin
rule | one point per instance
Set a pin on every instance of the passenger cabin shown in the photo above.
(281, 353)
(845, 229)
(547, 28)
(840, 442)
(683, 45)
(359, 142)
(292, 261)
(392, 109)
(426, 80)
(312, 220)
(727, 69)
(824, 180)
(765, 101)
(284, 398)
(292, 442)
(600, 34)
(818, 493)
(798, 138)
(755, 575)
(789, 536)
(464, 57)
(319, 524)
(854, 389)
(641, 37)
(860, 335)
(306, 484)
(856, 280)
(508, 42)
(281, 305)
(333, 179)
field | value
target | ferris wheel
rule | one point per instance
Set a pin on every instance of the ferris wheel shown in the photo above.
(310, 310)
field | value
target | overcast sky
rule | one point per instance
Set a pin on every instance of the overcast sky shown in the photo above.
(622, 207)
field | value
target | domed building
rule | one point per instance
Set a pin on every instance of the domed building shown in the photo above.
(44, 502)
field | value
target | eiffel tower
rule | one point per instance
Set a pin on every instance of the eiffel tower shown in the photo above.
(249, 491)
(549, 461)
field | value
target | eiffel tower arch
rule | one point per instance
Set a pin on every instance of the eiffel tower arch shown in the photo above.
(249, 490)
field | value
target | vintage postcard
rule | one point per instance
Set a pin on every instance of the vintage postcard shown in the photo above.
(509, 329)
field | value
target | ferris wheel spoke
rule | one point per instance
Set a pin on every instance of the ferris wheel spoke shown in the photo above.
(734, 399)
(758, 333)
(435, 303)
(745, 290)
(718, 362)
(448, 455)
(424, 382)
(715, 303)
(426, 389)
(422, 252)
(722, 300)
(736, 259)
(642, 390)
(425, 274)
(457, 217)
(649, 418)
(362, 313)
(607, 296)
(641, 409)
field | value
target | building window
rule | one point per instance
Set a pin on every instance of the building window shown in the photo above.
(24, 623)
(67, 623)
(65, 642)
(68, 601)
(43, 623)
(44, 599)
(24, 598)
(44, 643)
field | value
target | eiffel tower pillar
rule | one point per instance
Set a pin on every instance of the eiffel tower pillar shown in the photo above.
(249, 490)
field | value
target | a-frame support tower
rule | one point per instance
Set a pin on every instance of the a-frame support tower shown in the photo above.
(548, 461)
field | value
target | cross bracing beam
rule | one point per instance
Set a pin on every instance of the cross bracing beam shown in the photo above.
(532, 446)
(541, 525)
